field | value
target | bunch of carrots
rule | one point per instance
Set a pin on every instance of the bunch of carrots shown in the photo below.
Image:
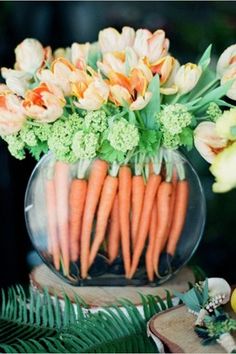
(136, 210)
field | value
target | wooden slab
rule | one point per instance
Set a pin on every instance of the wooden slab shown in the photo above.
(174, 328)
(42, 277)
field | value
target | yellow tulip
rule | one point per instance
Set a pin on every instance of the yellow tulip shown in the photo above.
(224, 124)
(224, 170)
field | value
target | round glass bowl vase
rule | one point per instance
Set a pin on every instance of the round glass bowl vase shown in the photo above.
(58, 229)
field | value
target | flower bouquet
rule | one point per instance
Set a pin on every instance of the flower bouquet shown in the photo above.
(114, 197)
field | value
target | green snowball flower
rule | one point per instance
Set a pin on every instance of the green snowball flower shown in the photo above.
(85, 145)
(213, 111)
(28, 136)
(170, 141)
(42, 131)
(174, 118)
(95, 121)
(15, 145)
(123, 136)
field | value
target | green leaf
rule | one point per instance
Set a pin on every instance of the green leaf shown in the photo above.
(205, 58)
(149, 141)
(215, 94)
(186, 138)
(153, 107)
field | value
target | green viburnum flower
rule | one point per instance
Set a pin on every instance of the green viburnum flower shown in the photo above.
(95, 121)
(174, 118)
(170, 141)
(213, 111)
(61, 137)
(123, 136)
(42, 131)
(85, 144)
(28, 136)
(15, 145)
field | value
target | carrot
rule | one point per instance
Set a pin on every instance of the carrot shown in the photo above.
(152, 234)
(61, 178)
(172, 205)
(163, 213)
(105, 205)
(114, 232)
(124, 214)
(52, 222)
(149, 196)
(180, 210)
(138, 189)
(78, 190)
(95, 183)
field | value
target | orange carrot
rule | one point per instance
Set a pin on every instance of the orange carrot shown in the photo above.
(150, 192)
(61, 177)
(163, 213)
(96, 179)
(151, 242)
(78, 190)
(180, 210)
(52, 222)
(124, 214)
(172, 205)
(114, 232)
(138, 189)
(105, 205)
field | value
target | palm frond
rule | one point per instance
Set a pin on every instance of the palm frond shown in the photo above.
(40, 323)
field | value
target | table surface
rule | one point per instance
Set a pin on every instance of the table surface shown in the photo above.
(42, 277)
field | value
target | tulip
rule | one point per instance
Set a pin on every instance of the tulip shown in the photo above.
(227, 58)
(12, 115)
(152, 46)
(225, 123)
(163, 67)
(224, 170)
(113, 62)
(110, 40)
(44, 103)
(17, 81)
(62, 53)
(59, 75)
(187, 77)
(207, 141)
(230, 74)
(169, 87)
(30, 55)
(79, 54)
(93, 96)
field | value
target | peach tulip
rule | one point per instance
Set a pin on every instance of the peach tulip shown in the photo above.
(226, 60)
(187, 77)
(163, 67)
(18, 81)
(30, 55)
(12, 115)
(110, 40)
(79, 54)
(44, 103)
(207, 141)
(59, 75)
(230, 74)
(152, 46)
(91, 96)
(169, 87)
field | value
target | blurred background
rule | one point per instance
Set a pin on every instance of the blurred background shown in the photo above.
(190, 26)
